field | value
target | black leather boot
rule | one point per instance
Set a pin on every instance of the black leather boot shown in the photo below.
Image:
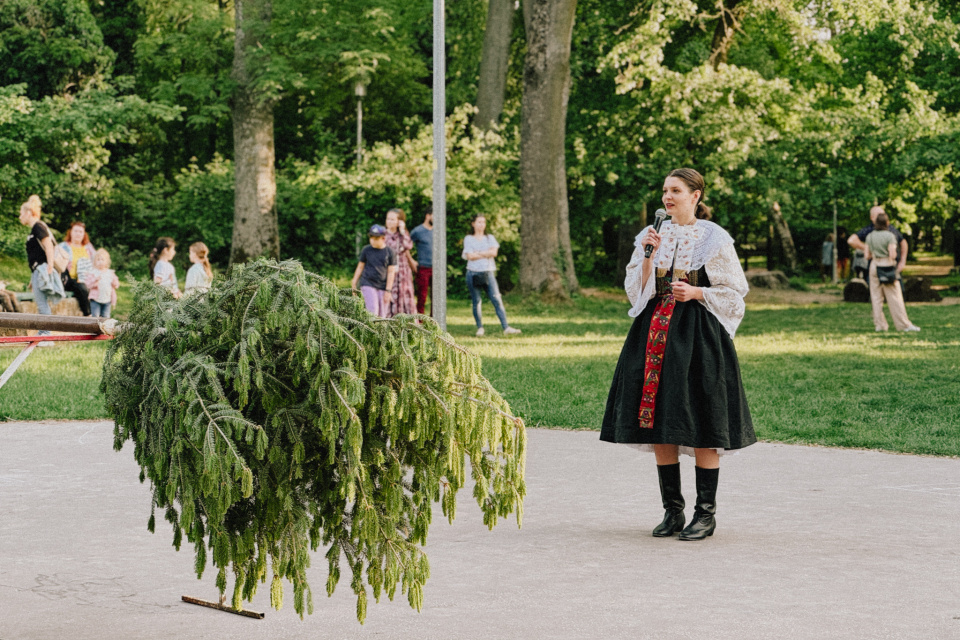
(703, 523)
(673, 503)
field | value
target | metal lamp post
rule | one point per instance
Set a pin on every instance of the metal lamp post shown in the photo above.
(359, 90)
(439, 297)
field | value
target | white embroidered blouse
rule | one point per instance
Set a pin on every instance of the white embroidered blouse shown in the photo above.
(687, 248)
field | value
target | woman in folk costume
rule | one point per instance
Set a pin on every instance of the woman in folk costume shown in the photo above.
(677, 386)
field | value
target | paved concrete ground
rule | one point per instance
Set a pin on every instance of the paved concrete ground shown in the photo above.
(812, 543)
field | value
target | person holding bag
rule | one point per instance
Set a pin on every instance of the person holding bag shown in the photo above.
(45, 281)
(881, 251)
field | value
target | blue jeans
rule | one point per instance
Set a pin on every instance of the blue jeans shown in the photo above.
(99, 309)
(493, 292)
(39, 297)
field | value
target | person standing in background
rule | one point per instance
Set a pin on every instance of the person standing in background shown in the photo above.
(402, 299)
(479, 250)
(826, 259)
(376, 270)
(164, 273)
(102, 283)
(843, 256)
(200, 275)
(881, 246)
(44, 280)
(422, 237)
(858, 240)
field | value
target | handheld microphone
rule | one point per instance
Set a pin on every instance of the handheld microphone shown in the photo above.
(661, 215)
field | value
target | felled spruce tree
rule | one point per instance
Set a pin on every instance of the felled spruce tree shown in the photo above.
(274, 415)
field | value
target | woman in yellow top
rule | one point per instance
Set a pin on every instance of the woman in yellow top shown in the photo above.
(78, 247)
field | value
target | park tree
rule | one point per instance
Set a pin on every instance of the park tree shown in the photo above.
(546, 260)
(495, 63)
(262, 81)
(255, 229)
(797, 108)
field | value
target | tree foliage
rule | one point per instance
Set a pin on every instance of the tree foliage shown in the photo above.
(816, 103)
(274, 416)
(811, 104)
(51, 46)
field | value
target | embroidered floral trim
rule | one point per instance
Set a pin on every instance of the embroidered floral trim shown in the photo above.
(656, 347)
(657, 338)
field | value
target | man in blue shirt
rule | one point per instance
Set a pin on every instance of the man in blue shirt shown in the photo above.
(422, 237)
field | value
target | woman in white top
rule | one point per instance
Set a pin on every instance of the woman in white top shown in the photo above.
(479, 250)
(200, 275)
(677, 386)
(164, 273)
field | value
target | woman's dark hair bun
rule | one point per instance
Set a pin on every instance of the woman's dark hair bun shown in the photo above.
(703, 211)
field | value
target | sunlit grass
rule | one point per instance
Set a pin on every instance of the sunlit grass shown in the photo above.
(60, 382)
(814, 374)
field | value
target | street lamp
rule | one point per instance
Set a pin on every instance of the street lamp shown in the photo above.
(438, 302)
(359, 90)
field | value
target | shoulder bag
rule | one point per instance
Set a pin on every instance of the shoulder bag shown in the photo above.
(887, 275)
(61, 259)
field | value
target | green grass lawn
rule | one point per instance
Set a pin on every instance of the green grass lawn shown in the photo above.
(815, 374)
(61, 382)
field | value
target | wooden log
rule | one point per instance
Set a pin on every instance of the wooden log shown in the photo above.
(72, 324)
(857, 290)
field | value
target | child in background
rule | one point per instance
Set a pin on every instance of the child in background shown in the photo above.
(375, 272)
(164, 273)
(102, 283)
(826, 258)
(200, 275)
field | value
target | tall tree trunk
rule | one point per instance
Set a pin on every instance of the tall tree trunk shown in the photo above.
(563, 228)
(786, 239)
(494, 62)
(255, 228)
(543, 176)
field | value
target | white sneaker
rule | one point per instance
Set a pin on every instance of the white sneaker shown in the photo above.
(912, 327)
(510, 331)
(47, 343)
(480, 332)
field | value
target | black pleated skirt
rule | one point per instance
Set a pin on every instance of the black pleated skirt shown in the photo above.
(700, 401)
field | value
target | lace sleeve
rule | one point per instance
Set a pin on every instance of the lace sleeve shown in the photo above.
(632, 282)
(724, 297)
(639, 296)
